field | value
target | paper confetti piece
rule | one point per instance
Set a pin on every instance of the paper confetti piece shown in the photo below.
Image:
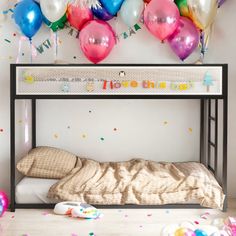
(165, 122)
(102, 139)
(12, 217)
(7, 40)
(56, 136)
(90, 111)
(1, 130)
(84, 136)
(149, 215)
(68, 127)
(115, 129)
(140, 226)
(196, 222)
(167, 211)
(20, 121)
(45, 213)
(91, 234)
(74, 234)
(126, 216)
(190, 130)
(25, 235)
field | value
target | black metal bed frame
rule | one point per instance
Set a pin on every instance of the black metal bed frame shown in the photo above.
(206, 119)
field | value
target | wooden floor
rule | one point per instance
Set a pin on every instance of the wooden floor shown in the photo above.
(114, 222)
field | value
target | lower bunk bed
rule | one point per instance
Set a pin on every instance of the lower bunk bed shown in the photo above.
(54, 175)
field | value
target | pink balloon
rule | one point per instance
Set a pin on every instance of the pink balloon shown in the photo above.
(78, 16)
(161, 17)
(185, 39)
(4, 200)
(97, 39)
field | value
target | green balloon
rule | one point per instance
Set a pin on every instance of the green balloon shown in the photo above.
(183, 7)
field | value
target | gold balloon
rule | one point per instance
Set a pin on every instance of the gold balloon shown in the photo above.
(202, 12)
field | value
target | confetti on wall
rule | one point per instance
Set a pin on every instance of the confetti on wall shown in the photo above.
(1, 130)
(56, 136)
(190, 130)
(102, 139)
(165, 122)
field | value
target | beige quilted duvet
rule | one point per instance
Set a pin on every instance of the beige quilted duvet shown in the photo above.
(139, 182)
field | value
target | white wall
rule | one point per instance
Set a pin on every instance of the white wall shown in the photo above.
(131, 138)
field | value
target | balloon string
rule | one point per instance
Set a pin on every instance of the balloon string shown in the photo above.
(31, 51)
(19, 50)
(56, 45)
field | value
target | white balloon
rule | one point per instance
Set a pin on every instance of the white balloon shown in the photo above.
(131, 11)
(53, 10)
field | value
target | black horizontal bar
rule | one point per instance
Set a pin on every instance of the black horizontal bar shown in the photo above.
(118, 97)
(167, 206)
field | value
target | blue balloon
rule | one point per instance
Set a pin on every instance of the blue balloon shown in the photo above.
(200, 232)
(28, 16)
(101, 13)
(112, 6)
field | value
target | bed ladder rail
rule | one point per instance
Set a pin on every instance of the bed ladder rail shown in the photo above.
(212, 144)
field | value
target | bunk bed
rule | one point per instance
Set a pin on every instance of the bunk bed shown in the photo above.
(206, 83)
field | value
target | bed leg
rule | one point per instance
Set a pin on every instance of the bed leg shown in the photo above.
(225, 206)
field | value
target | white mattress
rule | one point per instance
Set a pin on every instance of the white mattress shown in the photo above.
(34, 190)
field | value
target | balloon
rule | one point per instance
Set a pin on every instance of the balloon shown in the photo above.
(221, 2)
(28, 17)
(202, 12)
(185, 39)
(183, 7)
(112, 6)
(184, 232)
(1, 209)
(54, 26)
(97, 39)
(161, 17)
(53, 10)
(78, 16)
(131, 11)
(4, 202)
(147, 1)
(101, 13)
(200, 232)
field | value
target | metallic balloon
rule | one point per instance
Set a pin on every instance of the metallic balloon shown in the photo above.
(53, 10)
(78, 15)
(28, 17)
(183, 7)
(112, 6)
(97, 39)
(202, 12)
(1, 209)
(185, 39)
(101, 13)
(161, 17)
(131, 11)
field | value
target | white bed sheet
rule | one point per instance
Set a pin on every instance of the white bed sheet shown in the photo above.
(34, 190)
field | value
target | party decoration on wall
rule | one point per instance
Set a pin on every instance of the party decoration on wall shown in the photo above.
(28, 17)
(47, 44)
(101, 13)
(97, 39)
(131, 11)
(4, 202)
(78, 16)
(112, 6)
(183, 7)
(53, 10)
(208, 81)
(59, 24)
(202, 12)
(185, 39)
(161, 18)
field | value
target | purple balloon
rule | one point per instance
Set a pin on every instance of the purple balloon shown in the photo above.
(101, 13)
(185, 39)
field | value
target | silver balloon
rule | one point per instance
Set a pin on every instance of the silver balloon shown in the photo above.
(131, 11)
(53, 10)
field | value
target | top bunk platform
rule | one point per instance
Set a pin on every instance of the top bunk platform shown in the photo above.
(118, 81)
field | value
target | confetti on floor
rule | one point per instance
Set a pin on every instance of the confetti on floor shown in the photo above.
(126, 216)
(196, 222)
(45, 213)
(102, 139)
(91, 234)
(149, 215)
(167, 211)
(7, 40)
(12, 217)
